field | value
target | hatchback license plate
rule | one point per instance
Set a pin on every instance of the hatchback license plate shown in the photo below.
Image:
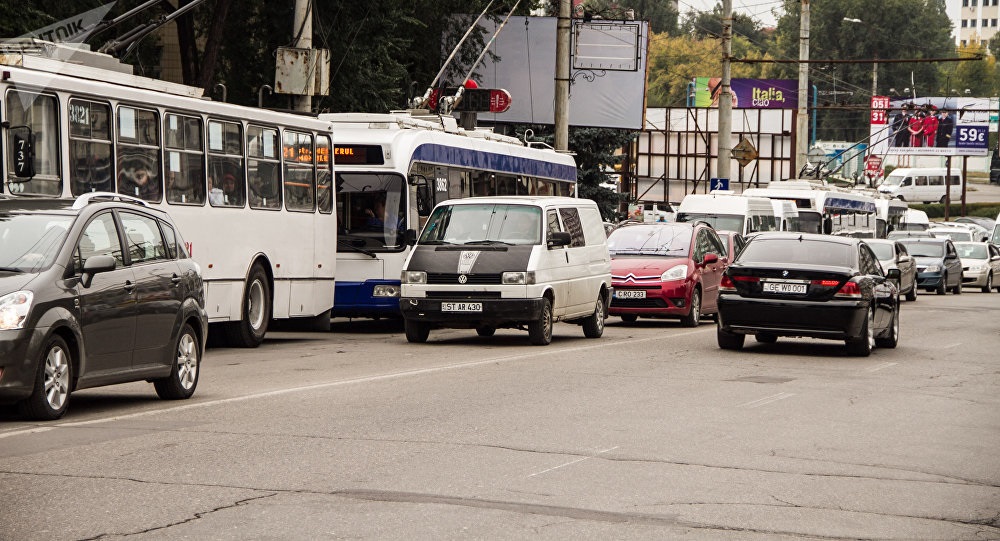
(783, 287)
(630, 294)
(461, 307)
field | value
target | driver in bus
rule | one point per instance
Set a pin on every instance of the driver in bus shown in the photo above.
(378, 217)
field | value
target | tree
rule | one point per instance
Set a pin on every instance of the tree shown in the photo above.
(708, 24)
(661, 15)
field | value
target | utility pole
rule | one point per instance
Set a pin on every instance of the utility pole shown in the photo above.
(302, 35)
(802, 118)
(562, 75)
(726, 95)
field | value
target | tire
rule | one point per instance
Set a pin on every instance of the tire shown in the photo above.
(485, 330)
(957, 290)
(593, 326)
(255, 314)
(890, 340)
(416, 331)
(766, 338)
(911, 295)
(942, 287)
(183, 378)
(693, 318)
(943, 199)
(729, 340)
(50, 396)
(988, 288)
(540, 331)
(629, 319)
(862, 345)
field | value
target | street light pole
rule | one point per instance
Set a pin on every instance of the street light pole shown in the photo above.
(802, 116)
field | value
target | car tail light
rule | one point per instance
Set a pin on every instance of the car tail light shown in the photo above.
(826, 283)
(849, 290)
(728, 283)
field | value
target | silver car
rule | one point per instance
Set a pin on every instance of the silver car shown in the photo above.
(980, 264)
(892, 254)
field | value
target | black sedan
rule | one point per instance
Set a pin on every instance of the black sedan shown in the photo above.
(818, 286)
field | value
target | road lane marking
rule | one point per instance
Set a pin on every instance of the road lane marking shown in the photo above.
(766, 400)
(878, 367)
(949, 346)
(577, 461)
(339, 383)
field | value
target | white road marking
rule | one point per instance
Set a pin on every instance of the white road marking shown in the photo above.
(766, 400)
(571, 462)
(949, 346)
(338, 383)
(878, 367)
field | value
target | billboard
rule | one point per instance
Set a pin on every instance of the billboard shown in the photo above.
(748, 93)
(932, 126)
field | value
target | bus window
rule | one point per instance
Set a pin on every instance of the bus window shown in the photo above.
(89, 147)
(372, 211)
(139, 153)
(40, 113)
(324, 175)
(263, 168)
(298, 172)
(227, 187)
(185, 151)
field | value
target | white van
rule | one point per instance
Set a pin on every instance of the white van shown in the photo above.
(996, 232)
(915, 220)
(922, 184)
(726, 211)
(508, 262)
(786, 215)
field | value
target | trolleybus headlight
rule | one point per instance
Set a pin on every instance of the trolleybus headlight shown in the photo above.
(518, 278)
(14, 309)
(386, 291)
(414, 277)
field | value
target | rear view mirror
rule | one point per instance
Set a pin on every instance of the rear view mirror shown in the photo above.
(559, 238)
(410, 237)
(709, 259)
(893, 274)
(96, 264)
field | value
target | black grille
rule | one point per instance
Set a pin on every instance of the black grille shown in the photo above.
(464, 295)
(471, 279)
(638, 303)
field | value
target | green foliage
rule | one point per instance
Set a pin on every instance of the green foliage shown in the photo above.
(661, 15)
(708, 24)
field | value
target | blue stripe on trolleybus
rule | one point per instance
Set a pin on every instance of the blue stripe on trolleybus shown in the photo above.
(477, 159)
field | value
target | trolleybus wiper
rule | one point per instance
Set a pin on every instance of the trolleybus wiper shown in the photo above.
(359, 249)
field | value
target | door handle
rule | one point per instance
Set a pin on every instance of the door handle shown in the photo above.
(175, 280)
(129, 286)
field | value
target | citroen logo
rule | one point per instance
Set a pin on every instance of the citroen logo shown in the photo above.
(462, 278)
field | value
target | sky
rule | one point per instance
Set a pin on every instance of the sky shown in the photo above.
(758, 9)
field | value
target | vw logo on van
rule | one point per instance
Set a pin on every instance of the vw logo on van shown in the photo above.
(462, 278)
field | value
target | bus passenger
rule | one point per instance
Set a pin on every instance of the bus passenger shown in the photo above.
(139, 183)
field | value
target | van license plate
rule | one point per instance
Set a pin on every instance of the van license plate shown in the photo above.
(782, 287)
(461, 307)
(630, 294)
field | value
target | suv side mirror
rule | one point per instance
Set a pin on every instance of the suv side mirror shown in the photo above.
(559, 238)
(893, 274)
(96, 264)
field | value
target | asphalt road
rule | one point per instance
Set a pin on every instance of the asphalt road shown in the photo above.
(651, 432)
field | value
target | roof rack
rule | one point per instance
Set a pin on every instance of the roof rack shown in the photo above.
(100, 197)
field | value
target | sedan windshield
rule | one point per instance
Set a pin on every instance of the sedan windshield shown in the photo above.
(793, 250)
(972, 251)
(883, 251)
(484, 224)
(925, 249)
(665, 240)
(30, 242)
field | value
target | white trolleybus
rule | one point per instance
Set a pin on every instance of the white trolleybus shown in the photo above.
(392, 168)
(824, 209)
(250, 189)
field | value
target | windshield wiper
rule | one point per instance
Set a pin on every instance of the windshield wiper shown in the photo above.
(358, 249)
(10, 269)
(489, 242)
(436, 242)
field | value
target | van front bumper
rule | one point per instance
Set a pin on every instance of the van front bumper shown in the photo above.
(493, 312)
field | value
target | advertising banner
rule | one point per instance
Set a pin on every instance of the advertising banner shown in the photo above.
(748, 93)
(933, 126)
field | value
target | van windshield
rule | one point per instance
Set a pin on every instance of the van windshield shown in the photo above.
(721, 222)
(485, 224)
(892, 180)
(30, 242)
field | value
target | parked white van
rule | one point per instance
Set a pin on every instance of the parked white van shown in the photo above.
(921, 184)
(726, 211)
(508, 262)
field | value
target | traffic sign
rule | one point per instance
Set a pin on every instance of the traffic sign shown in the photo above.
(475, 100)
(719, 184)
(744, 152)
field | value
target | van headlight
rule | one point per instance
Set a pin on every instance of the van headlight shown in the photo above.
(518, 278)
(678, 272)
(414, 277)
(14, 309)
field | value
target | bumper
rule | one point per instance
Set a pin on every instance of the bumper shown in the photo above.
(929, 280)
(834, 320)
(357, 299)
(974, 279)
(671, 299)
(494, 313)
(19, 352)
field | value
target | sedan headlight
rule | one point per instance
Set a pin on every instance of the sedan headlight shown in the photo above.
(14, 309)
(414, 277)
(518, 278)
(933, 268)
(678, 272)
(977, 268)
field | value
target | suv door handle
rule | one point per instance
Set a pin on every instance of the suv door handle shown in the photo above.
(175, 280)
(129, 286)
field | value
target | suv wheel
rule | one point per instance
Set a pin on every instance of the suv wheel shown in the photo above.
(540, 332)
(50, 397)
(593, 326)
(693, 319)
(183, 378)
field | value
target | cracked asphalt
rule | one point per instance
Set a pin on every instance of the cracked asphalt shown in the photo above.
(651, 432)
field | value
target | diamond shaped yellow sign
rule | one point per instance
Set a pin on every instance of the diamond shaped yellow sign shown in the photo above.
(744, 152)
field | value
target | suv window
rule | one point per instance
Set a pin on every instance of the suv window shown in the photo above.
(100, 237)
(145, 243)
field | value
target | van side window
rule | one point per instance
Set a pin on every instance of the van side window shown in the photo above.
(552, 222)
(908, 181)
(920, 181)
(571, 219)
(593, 227)
(955, 181)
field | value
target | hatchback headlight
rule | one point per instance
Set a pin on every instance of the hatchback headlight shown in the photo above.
(14, 309)
(517, 278)
(678, 272)
(977, 268)
(414, 277)
(933, 268)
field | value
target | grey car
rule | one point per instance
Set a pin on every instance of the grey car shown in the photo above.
(980, 264)
(892, 254)
(939, 268)
(94, 291)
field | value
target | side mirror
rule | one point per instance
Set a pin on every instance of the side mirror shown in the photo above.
(96, 264)
(709, 259)
(893, 274)
(827, 226)
(559, 238)
(410, 237)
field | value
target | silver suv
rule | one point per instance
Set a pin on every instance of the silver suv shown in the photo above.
(94, 291)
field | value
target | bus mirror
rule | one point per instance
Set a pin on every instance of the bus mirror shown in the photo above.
(827, 225)
(410, 236)
(417, 180)
(24, 151)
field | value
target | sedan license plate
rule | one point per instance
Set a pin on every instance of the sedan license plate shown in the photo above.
(630, 294)
(784, 287)
(461, 307)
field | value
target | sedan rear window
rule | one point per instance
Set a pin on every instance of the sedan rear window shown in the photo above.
(793, 250)
(925, 249)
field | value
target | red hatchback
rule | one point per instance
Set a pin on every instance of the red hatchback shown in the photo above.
(666, 270)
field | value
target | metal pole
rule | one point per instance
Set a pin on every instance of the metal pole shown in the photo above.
(875, 77)
(302, 34)
(562, 76)
(802, 118)
(726, 96)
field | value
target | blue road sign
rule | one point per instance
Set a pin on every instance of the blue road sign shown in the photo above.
(719, 184)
